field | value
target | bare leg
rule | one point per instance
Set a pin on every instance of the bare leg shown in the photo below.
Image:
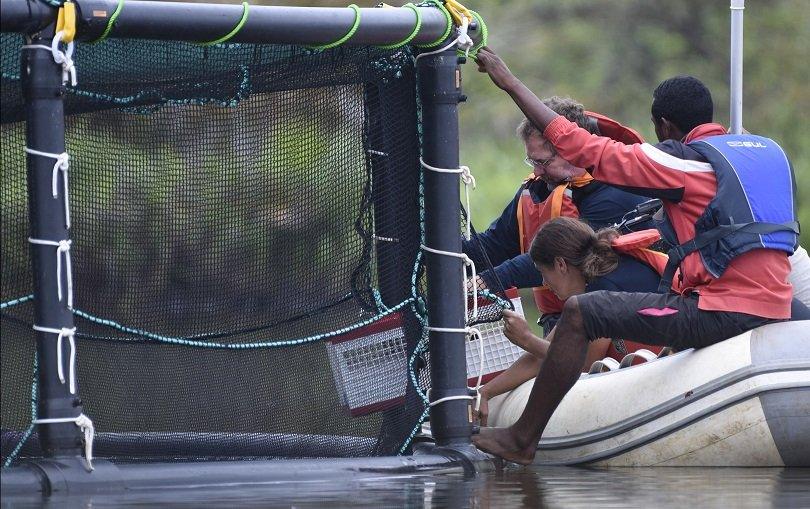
(558, 374)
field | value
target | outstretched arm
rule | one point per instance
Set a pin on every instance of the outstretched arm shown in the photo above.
(521, 371)
(538, 113)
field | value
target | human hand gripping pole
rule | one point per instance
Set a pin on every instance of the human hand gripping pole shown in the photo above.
(491, 63)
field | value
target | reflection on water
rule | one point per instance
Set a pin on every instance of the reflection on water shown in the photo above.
(506, 489)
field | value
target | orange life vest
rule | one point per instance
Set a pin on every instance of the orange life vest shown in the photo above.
(637, 245)
(531, 216)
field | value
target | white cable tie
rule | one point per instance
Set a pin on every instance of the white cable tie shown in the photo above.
(62, 163)
(86, 425)
(62, 246)
(64, 332)
(65, 58)
(377, 153)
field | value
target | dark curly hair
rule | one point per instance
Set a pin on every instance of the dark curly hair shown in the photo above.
(683, 100)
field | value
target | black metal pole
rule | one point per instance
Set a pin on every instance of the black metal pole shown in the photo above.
(45, 132)
(200, 22)
(439, 78)
(25, 16)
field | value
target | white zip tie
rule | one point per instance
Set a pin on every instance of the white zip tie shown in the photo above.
(64, 58)
(64, 332)
(86, 425)
(62, 246)
(62, 163)
(469, 263)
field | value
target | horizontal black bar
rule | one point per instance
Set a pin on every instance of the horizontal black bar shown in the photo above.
(201, 22)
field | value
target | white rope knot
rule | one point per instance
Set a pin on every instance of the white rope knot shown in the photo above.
(463, 40)
(469, 181)
(467, 177)
(65, 58)
(62, 246)
(466, 262)
(62, 333)
(62, 163)
(86, 425)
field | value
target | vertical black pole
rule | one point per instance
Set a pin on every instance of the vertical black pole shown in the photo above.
(45, 132)
(440, 90)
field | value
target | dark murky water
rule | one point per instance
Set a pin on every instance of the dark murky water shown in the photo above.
(508, 489)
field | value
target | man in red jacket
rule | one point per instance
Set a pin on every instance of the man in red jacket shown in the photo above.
(702, 309)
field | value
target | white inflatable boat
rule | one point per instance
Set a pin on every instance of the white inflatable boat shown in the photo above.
(741, 402)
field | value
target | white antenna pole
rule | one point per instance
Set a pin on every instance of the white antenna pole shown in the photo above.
(737, 7)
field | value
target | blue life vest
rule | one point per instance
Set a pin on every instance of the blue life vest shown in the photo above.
(754, 207)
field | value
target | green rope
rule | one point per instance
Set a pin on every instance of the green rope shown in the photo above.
(14, 302)
(34, 402)
(236, 29)
(447, 29)
(348, 35)
(110, 22)
(482, 27)
(239, 346)
(413, 33)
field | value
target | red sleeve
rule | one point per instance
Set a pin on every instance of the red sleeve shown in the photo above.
(640, 166)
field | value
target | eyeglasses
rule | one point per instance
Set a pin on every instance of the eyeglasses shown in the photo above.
(543, 163)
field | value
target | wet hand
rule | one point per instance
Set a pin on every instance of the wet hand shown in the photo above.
(491, 63)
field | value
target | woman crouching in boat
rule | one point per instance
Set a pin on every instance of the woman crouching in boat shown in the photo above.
(573, 259)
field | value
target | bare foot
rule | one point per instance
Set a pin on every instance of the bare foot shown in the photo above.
(504, 443)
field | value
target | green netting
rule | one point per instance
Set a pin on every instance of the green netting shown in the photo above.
(246, 261)
(244, 218)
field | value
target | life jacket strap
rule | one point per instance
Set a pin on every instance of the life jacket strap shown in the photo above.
(678, 253)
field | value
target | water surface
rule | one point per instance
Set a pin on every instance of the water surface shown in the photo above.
(506, 489)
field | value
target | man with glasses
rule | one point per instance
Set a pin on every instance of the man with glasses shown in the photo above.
(554, 188)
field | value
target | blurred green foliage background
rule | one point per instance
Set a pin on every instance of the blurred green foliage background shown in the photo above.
(610, 55)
